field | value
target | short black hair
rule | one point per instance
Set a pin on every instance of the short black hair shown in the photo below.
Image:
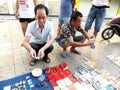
(75, 15)
(41, 6)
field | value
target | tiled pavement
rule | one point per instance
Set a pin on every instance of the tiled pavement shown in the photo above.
(14, 59)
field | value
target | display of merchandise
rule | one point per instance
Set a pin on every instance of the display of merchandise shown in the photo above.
(98, 79)
(60, 77)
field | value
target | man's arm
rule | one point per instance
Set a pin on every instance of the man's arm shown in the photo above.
(85, 34)
(49, 43)
(78, 44)
(28, 47)
(26, 43)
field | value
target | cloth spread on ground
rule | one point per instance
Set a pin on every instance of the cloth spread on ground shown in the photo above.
(27, 81)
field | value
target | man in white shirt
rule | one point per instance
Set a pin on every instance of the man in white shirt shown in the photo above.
(36, 38)
(97, 13)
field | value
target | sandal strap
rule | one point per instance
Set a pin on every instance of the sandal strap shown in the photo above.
(64, 54)
(33, 62)
(47, 60)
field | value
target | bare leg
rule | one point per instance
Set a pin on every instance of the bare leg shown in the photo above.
(58, 30)
(24, 27)
(86, 30)
(73, 48)
(95, 34)
(63, 54)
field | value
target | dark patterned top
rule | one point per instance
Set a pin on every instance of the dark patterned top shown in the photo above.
(67, 31)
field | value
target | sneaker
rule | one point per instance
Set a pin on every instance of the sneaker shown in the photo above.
(56, 39)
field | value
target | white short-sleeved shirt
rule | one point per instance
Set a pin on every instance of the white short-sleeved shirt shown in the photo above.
(37, 36)
(100, 2)
(26, 9)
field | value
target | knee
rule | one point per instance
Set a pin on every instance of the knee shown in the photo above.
(65, 45)
(83, 39)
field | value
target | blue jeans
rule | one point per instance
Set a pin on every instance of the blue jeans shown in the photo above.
(63, 20)
(97, 14)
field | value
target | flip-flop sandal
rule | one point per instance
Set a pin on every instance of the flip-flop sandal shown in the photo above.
(76, 52)
(57, 39)
(33, 62)
(47, 60)
(63, 54)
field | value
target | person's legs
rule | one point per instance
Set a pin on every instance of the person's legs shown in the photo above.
(24, 27)
(58, 30)
(90, 19)
(36, 48)
(29, 20)
(24, 23)
(47, 51)
(62, 20)
(80, 39)
(64, 44)
(66, 20)
(100, 15)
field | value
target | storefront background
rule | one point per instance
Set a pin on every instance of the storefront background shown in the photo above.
(8, 7)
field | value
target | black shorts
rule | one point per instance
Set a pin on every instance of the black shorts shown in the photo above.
(26, 20)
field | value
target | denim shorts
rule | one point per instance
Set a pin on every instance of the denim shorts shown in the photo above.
(76, 39)
(63, 20)
(97, 14)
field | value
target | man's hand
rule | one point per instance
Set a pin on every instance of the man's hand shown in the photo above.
(91, 42)
(41, 53)
(33, 53)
